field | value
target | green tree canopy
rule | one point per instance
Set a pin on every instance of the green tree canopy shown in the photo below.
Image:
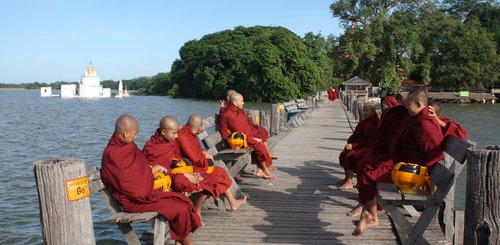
(263, 63)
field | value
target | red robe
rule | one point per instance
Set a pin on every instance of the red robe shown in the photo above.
(126, 172)
(158, 151)
(453, 128)
(419, 142)
(236, 120)
(191, 148)
(331, 94)
(359, 139)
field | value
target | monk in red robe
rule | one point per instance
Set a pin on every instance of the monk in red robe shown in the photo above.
(224, 103)
(162, 148)
(448, 126)
(235, 119)
(127, 174)
(331, 94)
(358, 140)
(419, 142)
(191, 148)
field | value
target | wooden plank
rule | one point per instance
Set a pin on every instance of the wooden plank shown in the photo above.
(458, 238)
(115, 218)
(212, 140)
(442, 177)
(388, 191)
(235, 151)
(144, 217)
(456, 148)
(411, 211)
(209, 122)
(415, 237)
(160, 227)
(240, 164)
(202, 135)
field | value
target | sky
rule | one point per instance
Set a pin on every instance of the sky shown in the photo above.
(54, 40)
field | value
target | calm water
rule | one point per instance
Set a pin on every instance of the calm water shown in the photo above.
(33, 128)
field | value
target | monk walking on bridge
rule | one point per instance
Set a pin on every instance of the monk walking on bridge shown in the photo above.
(191, 148)
(126, 172)
(234, 119)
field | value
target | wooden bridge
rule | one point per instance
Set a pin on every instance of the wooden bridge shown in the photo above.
(302, 206)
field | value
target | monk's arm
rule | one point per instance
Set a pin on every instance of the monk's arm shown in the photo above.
(429, 142)
(455, 129)
(185, 146)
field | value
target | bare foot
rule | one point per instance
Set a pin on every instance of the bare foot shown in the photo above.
(259, 173)
(269, 174)
(340, 183)
(355, 212)
(346, 186)
(365, 222)
(198, 211)
(238, 203)
(272, 168)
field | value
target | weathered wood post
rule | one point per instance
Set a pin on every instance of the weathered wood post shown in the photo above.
(254, 115)
(283, 120)
(265, 120)
(275, 119)
(63, 190)
(482, 203)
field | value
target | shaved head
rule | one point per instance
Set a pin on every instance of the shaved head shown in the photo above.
(235, 96)
(370, 106)
(195, 121)
(369, 110)
(169, 122)
(126, 122)
(418, 95)
(230, 92)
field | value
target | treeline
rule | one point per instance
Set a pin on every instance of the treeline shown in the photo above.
(451, 45)
(263, 63)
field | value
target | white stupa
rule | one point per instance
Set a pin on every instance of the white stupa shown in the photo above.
(120, 89)
(90, 85)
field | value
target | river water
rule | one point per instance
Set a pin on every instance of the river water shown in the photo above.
(33, 128)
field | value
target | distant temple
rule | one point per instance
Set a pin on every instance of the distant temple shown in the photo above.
(88, 87)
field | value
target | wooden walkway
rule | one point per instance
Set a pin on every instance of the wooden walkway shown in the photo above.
(302, 206)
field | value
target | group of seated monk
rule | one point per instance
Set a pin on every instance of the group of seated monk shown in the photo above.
(410, 131)
(129, 172)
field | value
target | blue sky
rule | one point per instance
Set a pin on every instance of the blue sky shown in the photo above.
(54, 40)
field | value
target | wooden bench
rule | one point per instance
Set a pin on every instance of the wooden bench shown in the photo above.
(123, 219)
(230, 159)
(390, 197)
(294, 114)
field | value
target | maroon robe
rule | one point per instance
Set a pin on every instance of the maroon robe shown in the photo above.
(419, 142)
(191, 148)
(331, 94)
(126, 172)
(359, 139)
(453, 128)
(158, 151)
(236, 120)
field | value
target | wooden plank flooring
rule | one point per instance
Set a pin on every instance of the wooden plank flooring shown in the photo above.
(287, 210)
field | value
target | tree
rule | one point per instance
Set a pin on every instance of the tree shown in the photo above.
(263, 63)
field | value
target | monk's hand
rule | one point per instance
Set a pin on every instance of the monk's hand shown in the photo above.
(432, 112)
(198, 176)
(158, 168)
(348, 147)
(192, 179)
(257, 139)
(222, 103)
(208, 156)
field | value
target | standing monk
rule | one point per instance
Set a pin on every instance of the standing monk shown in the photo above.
(234, 119)
(162, 148)
(420, 143)
(448, 126)
(191, 148)
(358, 140)
(126, 172)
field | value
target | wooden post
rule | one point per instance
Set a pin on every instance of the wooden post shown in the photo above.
(283, 119)
(275, 119)
(265, 120)
(458, 238)
(65, 214)
(482, 203)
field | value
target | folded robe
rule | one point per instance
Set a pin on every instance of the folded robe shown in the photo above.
(158, 151)
(191, 148)
(126, 172)
(236, 120)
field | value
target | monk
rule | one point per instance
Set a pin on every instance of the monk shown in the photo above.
(191, 148)
(162, 148)
(381, 145)
(126, 172)
(419, 142)
(448, 126)
(235, 119)
(358, 140)
(224, 103)
(331, 95)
